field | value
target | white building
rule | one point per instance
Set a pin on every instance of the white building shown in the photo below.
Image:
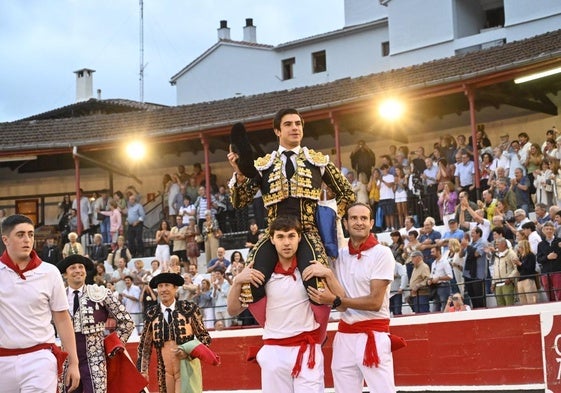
(377, 36)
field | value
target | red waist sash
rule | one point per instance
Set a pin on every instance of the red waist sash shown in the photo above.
(303, 340)
(368, 327)
(59, 354)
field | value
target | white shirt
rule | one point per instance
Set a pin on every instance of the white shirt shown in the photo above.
(354, 274)
(288, 311)
(25, 309)
(70, 296)
(385, 191)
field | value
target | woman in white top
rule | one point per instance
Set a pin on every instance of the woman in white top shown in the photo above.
(456, 262)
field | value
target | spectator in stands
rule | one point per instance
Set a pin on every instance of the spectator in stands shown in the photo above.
(174, 266)
(177, 235)
(121, 251)
(475, 268)
(542, 215)
(171, 190)
(362, 158)
(504, 273)
(412, 245)
(455, 303)
(51, 251)
(477, 219)
(211, 234)
(162, 244)
(515, 159)
(418, 284)
(98, 251)
(203, 206)
(236, 263)
(465, 175)
(192, 189)
(520, 185)
(549, 259)
(418, 161)
(102, 204)
(73, 247)
(154, 270)
(253, 234)
(398, 286)
(119, 274)
(544, 184)
(409, 225)
(502, 210)
(401, 182)
(440, 277)
(101, 277)
(187, 210)
(533, 162)
(115, 222)
(387, 197)
(182, 175)
(139, 274)
(360, 188)
(220, 262)
(220, 289)
(85, 210)
(504, 142)
(178, 200)
(503, 164)
(461, 146)
(526, 266)
(428, 240)
(504, 193)
(66, 204)
(453, 232)
(204, 299)
(452, 255)
(130, 297)
(529, 229)
(525, 145)
(487, 169)
(135, 220)
(447, 202)
(198, 174)
(192, 247)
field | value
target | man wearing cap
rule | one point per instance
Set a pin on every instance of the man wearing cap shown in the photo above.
(420, 291)
(90, 306)
(171, 326)
(32, 296)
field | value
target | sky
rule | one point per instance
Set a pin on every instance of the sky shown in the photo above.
(43, 42)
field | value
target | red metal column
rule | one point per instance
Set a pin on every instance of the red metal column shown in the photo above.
(204, 141)
(78, 196)
(337, 141)
(471, 99)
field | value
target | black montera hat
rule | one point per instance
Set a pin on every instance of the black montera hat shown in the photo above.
(73, 259)
(170, 278)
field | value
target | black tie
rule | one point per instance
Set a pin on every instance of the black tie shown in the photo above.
(168, 310)
(76, 302)
(289, 166)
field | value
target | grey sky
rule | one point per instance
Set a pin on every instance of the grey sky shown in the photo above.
(43, 41)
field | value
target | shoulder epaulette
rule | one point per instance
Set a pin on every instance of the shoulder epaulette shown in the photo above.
(316, 158)
(265, 162)
(97, 293)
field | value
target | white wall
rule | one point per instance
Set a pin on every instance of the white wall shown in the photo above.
(362, 11)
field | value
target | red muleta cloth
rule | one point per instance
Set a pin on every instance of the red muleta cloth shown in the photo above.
(368, 327)
(302, 340)
(122, 375)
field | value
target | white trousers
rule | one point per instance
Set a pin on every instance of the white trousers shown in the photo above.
(277, 363)
(348, 371)
(33, 372)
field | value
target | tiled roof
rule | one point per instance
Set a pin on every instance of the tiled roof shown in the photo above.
(187, 121)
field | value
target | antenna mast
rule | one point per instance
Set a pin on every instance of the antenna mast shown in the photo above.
(141, 70)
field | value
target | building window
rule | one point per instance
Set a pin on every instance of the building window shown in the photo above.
(385, 48)
(288, 68)
(495, 17)
(319, 62)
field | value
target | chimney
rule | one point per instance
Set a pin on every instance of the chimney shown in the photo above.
(249, 31)
(99, 94)
(223, 31)
(84, 84)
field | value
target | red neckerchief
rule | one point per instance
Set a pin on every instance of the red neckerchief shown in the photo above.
(288, 272)
(33, 263)
(368, 244)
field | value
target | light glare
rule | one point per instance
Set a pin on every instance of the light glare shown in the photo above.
(391, 109)
(136, 150)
